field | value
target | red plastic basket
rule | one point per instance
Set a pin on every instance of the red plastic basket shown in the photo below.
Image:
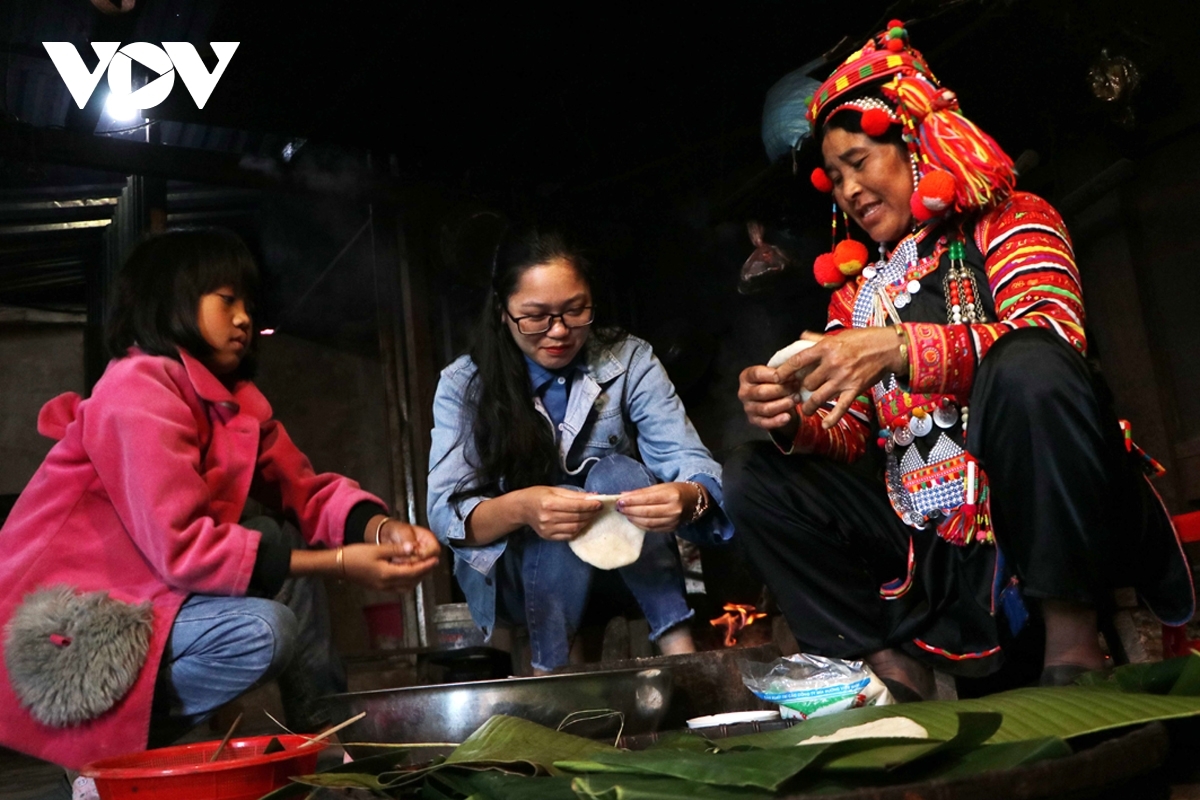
(242, 772)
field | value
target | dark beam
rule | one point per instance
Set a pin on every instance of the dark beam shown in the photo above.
(27, 143)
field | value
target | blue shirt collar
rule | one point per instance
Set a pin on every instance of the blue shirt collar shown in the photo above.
(539, 376)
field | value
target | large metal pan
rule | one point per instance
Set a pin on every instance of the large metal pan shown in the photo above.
(451, 712)
(708, 682)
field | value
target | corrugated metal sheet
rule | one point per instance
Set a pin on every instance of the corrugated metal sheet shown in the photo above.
(50, 237)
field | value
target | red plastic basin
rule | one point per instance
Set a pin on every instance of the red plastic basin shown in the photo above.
(182, 772)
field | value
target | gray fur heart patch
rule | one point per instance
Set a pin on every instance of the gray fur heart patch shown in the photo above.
(71, 656)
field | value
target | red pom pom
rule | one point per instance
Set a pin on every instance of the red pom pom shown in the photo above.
(896, 23)
(875, 122)
(936, 190)
(820, 181)
(826, 272)
(895, 45)
(850, 256)
(919, 211)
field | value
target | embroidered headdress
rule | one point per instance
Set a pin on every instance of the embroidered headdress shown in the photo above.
(956, 166)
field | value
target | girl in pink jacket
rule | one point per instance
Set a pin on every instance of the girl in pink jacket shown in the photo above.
(126, 582)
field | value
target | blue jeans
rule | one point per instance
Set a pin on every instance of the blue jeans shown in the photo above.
(222, 647)
(219, 648)
(544, 586)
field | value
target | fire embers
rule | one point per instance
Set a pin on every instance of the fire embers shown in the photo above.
(736, 617)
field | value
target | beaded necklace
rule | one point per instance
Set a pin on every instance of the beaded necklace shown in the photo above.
(872, 306)
(963, 303)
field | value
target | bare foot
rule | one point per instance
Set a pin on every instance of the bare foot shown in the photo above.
(677, 641)
(898, 666)
(1072, 637)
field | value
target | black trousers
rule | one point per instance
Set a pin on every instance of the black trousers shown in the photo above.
(1073, 519)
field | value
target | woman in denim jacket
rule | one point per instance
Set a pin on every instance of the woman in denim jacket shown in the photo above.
(543, 412)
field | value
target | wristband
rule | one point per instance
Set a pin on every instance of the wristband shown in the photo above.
(701, 507)
(903, 342)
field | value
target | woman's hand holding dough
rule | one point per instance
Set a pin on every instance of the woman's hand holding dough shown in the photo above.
(385, 567)
(416, 543)
(558, 515)
(659, 507)
(843, 366)
(770, 395)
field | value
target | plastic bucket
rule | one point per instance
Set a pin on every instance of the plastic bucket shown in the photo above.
(385, 625)
(242, 772)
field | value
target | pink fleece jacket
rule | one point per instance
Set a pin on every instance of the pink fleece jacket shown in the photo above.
(141, 498)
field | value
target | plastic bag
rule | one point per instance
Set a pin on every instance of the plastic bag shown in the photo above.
(813, 686)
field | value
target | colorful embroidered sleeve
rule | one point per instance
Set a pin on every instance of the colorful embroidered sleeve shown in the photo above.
(847, 440)
(1031, 272)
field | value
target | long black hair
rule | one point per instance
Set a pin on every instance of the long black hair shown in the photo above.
(514, 446)
(156, 298)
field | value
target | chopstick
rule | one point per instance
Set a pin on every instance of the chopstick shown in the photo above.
(225, 741)
(330, 731)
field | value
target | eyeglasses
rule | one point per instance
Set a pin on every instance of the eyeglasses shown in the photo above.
(534, 324)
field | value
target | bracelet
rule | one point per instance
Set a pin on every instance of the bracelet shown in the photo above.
(903, 342)
(341, 562)
(379, 528)
(701, 507)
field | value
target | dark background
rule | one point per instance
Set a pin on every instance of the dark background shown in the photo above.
(635, 126)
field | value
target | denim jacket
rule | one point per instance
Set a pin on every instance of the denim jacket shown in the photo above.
(621, 402)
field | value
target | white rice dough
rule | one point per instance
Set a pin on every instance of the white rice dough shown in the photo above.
(887, 728)
(611, 540)
(786, 353)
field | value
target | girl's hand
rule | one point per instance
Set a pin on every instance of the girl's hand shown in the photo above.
(557, 514)
(660, 507)
(385, 567)
(843, 367)
(416, 543)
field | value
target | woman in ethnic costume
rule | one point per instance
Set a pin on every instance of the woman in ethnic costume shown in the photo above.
(960, 355)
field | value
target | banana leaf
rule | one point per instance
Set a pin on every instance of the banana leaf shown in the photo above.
(1176, 676)
(1035, 723)
(973, 729)
(971, 762)
(499, 786)
(524, 745)
(653, 787)
(372, 765)
(431, 791)
(1001, 756)
(1062, 712)
(681, 740)
(764, 769)
(770, 769)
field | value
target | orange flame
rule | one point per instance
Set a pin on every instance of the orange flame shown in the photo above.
(736, 617)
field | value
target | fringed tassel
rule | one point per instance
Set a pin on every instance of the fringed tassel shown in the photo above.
(971, 521)
(983, 172)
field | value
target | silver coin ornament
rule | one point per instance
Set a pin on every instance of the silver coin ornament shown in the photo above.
(920, 426)
(902, 300)
(902, 436)
(869, 273)
(945, 416)
(914, 286)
